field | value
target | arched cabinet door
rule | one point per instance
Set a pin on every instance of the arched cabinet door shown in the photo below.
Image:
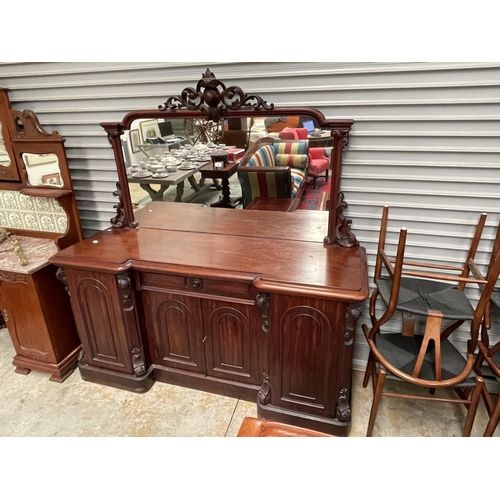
(306, 353)
(174, 330)
(104, 309)
(232, 341)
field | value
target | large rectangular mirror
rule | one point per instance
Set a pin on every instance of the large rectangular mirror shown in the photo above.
(200, 117)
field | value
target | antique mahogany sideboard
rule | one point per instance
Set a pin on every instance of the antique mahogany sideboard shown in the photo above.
(260, 305)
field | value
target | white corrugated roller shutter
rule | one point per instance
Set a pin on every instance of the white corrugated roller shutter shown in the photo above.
(425, 139)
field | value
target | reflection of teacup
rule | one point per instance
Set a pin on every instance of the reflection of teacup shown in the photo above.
(155, 167)
(170, 160)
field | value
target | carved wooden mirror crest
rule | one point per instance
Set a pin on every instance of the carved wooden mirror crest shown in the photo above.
(213, 101)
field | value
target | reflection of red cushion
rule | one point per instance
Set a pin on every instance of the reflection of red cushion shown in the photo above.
(294, 133)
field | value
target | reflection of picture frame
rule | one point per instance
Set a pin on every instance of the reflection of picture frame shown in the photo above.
(149, 130)
(33, 159)
(135, 140)
(52, 179)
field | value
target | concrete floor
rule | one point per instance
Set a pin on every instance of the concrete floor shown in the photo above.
(32, 406)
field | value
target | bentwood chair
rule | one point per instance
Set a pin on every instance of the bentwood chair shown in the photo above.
(490, 354)
(425, 356)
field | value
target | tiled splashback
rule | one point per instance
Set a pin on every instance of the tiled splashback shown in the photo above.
(19, 211)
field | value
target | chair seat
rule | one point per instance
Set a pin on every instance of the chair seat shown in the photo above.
(402, 352)
(419, 296)
(317, 167)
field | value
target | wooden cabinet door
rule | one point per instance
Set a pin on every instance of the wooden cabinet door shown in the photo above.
(232, 341)
(174, 330)
(306, 354)
(104, 309)
(24, 319)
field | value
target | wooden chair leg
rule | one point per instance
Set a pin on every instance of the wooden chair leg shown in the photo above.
(493, 421)
(488, 402)
(369, 369)
(377, 397)
(474, 402)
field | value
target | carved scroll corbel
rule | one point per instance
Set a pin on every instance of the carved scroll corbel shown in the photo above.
(138, 362)
(119, 220)
(264, 395)
(343, 412)
(351, 317)
(125, 288)
(61, 276)
(263, 302)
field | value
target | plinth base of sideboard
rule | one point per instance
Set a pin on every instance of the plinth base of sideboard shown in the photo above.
(58, 372)
(117, 380)
(331, 426)
(202, 382)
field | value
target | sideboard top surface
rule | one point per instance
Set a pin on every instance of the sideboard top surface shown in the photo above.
(278, 251)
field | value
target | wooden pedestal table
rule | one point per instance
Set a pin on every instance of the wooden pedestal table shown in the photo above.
(37, 311)
(209, 171)
(248, 304)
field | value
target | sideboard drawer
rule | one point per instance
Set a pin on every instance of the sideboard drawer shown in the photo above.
(196, 285)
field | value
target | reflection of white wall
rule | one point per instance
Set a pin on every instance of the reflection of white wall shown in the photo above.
(135, 158)
(37, 171)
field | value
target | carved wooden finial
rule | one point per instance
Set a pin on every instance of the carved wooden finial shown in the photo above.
(212, 96)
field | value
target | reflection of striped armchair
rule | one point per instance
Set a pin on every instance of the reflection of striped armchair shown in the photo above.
(274, 170)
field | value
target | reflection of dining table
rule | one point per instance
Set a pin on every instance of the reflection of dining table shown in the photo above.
(176, 178)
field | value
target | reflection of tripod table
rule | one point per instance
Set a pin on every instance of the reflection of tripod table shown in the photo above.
(173, 179)
(320, 139)
(210, 172)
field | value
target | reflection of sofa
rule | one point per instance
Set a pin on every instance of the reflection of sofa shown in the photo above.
(319, 164)
(274, 169)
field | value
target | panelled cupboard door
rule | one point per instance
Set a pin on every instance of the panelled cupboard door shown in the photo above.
(307, 350)
(175, 330)
(232, 335)
(98, 307)
(24, 320)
